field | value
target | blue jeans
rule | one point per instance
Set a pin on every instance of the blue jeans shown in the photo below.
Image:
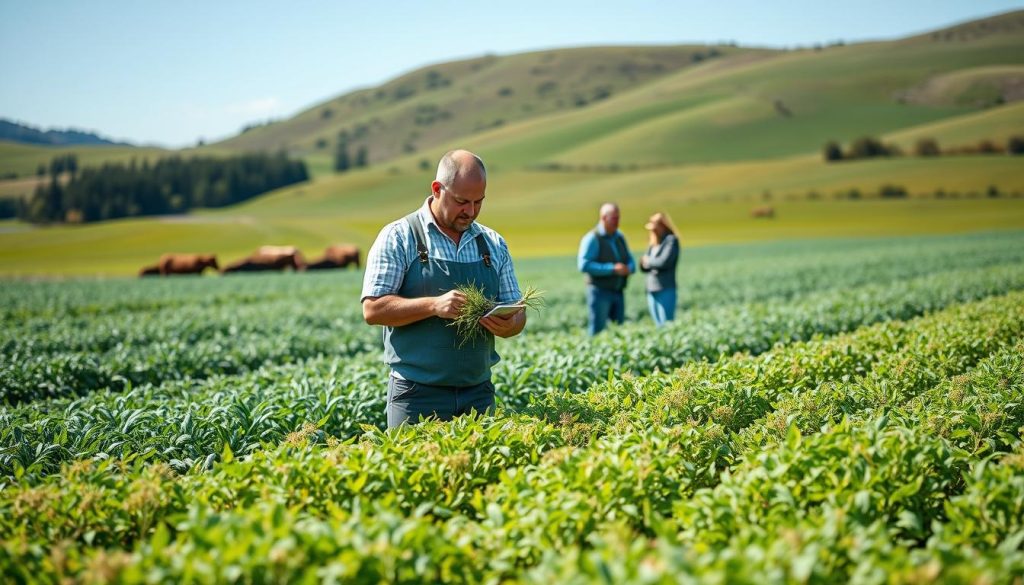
(603, 305)
(662, 305)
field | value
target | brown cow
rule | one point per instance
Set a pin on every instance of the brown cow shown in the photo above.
(186, 263)
(268, 258)
(338, 256)
(151, 270)
(765, 212)
(300, 261)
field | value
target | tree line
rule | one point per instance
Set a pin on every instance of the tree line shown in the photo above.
(344, 159)
(170, 185)
(870, 147)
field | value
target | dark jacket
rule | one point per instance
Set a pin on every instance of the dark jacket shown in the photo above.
(597, 257)
(661, 264)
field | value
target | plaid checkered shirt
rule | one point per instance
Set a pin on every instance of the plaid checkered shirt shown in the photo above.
(395, 249)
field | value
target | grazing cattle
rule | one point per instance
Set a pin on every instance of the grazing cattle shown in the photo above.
(765, 212)
(151, 270)
(300, 261)
(268, 258)
(186, 263)
(336, 257)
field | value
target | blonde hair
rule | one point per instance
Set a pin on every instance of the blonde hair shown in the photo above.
(665, 219)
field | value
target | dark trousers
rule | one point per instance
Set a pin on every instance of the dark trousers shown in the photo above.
(408, 401)
(603, 305)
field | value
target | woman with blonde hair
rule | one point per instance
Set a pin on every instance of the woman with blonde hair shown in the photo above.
(660, 265)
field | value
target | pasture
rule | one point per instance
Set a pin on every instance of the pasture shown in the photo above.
(845, 409)
(544, 213)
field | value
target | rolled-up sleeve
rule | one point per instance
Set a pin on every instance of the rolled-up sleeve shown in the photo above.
(386, 263)
(508, 284)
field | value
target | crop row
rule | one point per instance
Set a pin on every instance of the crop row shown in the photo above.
(185, 422)
(536, 365)
(42, 356)
(871, 483)
(500, 487)
(708, 276)
(744, 274)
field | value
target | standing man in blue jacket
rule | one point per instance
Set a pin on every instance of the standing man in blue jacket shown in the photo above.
(606, 263)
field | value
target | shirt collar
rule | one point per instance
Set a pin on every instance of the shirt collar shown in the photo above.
(600, 229)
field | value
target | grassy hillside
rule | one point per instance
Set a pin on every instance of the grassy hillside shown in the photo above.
(704, 138)
(441, 102)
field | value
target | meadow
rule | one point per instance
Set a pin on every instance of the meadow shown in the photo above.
(843, 409)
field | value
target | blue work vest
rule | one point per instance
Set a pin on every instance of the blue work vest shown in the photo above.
(428, 351)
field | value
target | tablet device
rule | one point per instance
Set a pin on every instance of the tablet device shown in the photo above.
(505, 310)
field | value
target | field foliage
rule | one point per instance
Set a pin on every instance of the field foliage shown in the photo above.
(843, 410)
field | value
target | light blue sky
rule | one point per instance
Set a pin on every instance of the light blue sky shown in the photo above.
(165, 72)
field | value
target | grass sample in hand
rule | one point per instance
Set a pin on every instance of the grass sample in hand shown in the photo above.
(467, 324)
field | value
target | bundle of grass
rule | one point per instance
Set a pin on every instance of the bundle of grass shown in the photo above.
(467, 324)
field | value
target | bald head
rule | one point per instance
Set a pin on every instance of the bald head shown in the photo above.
(457, 165)
(610, 217)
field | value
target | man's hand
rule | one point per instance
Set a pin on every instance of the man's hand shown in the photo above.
(505, 326)
(621, 269)
(447, 305)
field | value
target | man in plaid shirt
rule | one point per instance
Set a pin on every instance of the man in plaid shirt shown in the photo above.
(412, 270)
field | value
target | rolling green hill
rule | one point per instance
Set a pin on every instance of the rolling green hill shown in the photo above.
(705, 133)
(447, 101)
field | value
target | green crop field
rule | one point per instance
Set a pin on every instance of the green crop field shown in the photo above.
(832, 410)
(839, 399)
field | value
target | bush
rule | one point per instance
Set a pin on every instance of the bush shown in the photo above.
(892, 192)
(868, 147)
(927, 147)
(832, 152)
(1015, 145)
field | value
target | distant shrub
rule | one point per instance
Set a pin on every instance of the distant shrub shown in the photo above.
(1015, 145)
(326, 113)
(927, 147)
(867, 147)
(8, 208)
(505, 91)
(892, 192)
(403, 91)
(832, 152)
(989, 147)
(321, 143)
(424, 164)
(436, 80)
